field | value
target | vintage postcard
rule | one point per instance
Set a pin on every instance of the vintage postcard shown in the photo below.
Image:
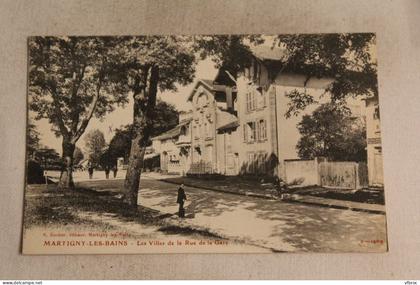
(203, 144)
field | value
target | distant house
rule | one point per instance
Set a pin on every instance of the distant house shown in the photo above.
(239, 127)
(174, 147)
(374, 145)
(269, 138)
(213, 120)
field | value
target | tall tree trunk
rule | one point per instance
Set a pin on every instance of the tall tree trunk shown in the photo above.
(66, 177)
(144, 104)
(135, 165)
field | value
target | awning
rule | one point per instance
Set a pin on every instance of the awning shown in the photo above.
(172, 132)
(226, 120)
(150, 155)
(231, 125)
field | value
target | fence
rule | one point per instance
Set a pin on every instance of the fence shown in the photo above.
(175, 167)
(301, 172)
(333, 174)
(201, 167)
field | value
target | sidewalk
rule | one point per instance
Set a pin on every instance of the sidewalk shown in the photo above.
(240, 186)
(79, 176)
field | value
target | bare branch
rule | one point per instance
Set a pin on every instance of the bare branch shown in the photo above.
(91, 111)
(58, 118)
(75, 89)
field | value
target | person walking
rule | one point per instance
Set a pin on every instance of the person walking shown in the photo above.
(107, 170)
(180, 200)
(115, 170)
(90, 170)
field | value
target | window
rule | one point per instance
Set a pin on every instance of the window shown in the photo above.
(251, 101)
(255, 131)
(195, 131)
(202, 100)
(183, 131)
(202, 131)
(207, 127)
(262, 130)
(173, 158)
(250, 132)
(260, 98)
(376, 115)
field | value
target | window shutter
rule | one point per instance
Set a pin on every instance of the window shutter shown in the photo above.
(257, 127)
(254, 131)
(263, 129)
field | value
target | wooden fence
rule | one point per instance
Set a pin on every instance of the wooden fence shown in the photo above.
(329, 174)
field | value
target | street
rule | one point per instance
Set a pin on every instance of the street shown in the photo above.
(275, 225)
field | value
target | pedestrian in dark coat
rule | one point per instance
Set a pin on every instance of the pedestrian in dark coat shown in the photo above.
(115, 170)
(180, 200)
(107, 171)
(90, 170)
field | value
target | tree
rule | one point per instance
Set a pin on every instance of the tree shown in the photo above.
(95, 146)
(332, 132)
(346, 58)
(152, 63)
(32, 140)
(72, 79)
(78, 156)
(120, 144)
(165, 117)
(231, 53)
(106, 160)
(48, 158)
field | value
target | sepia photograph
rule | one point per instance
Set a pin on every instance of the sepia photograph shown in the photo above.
(203, 144)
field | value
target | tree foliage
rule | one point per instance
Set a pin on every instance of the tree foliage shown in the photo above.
(229, 52)
(331, 131)
(32, 139)
(72, 79)
(78, 155)
(48, 158)
(120, 143)
(348, 59)
(95, 146)
(151, 63)
(165, 118)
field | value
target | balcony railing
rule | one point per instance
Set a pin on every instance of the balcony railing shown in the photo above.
(201, 167)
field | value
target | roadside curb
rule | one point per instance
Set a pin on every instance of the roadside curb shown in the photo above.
(296, 199)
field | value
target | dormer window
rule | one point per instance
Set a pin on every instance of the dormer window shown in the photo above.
(376, 114)
(183, 131)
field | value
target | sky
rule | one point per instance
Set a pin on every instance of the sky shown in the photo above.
(122, 116)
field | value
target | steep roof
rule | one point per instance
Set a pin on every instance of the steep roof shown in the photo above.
(172, 133)
(268, 53)
(230, 125)
(209, 84)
